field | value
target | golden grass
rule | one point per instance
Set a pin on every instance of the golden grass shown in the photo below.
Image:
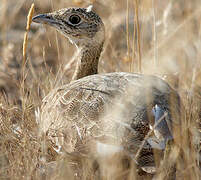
(29, 20)
(175, 49)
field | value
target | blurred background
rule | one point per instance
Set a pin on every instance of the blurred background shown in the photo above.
(148, 36)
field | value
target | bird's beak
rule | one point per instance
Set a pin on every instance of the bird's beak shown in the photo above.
(44, 19)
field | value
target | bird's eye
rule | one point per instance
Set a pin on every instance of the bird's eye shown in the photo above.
(74, 19)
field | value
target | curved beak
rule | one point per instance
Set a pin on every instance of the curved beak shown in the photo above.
(44, 19)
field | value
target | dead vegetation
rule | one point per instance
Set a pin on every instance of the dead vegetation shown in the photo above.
(167, 43)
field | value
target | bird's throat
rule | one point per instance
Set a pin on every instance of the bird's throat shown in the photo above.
(87, 63)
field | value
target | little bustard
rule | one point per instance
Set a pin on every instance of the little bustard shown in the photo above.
(133, 102)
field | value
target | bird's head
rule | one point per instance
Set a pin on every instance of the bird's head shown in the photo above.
(82, 26)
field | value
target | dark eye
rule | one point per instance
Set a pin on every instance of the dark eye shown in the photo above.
(74, 19)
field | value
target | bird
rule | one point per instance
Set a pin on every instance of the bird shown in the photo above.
(121, 106)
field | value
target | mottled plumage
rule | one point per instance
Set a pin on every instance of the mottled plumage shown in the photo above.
(120, 107)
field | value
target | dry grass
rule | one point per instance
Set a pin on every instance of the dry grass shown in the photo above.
(169, 46)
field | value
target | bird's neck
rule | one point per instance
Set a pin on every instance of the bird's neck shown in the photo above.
(88, 58)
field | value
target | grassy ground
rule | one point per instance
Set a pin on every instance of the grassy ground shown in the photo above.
(155, 37)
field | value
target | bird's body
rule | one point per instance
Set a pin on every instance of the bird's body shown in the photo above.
(95, 107)
(92, 107)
